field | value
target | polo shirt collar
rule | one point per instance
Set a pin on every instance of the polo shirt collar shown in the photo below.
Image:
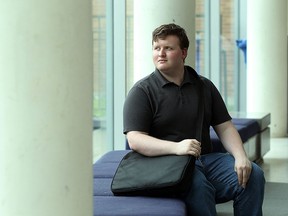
(189, 76)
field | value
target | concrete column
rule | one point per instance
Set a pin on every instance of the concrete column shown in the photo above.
(267, 61)
(149, 14)
(46, 108)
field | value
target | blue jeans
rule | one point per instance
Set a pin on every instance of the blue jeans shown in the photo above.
(215, 181)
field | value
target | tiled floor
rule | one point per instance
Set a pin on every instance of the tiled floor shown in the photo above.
(275, 164)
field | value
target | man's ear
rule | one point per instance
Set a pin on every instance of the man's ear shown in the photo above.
(184, 53)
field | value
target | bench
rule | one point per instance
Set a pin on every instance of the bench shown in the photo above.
(255, 135)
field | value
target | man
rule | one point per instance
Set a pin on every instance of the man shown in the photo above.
(160, 118)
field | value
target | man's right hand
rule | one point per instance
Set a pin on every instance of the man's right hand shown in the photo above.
(189, 147)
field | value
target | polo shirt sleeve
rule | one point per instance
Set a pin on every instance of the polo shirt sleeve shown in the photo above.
(137, 111)
(219, 112)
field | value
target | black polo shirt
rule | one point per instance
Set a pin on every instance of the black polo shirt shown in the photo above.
(167, 111)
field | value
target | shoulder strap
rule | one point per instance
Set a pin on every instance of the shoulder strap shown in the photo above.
(201, 108)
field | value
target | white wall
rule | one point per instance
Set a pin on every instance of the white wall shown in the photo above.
(267, 61)
(46, 108)
(148, 15)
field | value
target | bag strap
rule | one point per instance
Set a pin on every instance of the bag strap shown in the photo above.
(201, 108)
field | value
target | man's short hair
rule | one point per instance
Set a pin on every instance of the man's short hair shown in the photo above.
(163, 31)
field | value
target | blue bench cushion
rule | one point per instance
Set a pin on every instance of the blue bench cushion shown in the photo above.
(104, 170)
(216, 143)
(245, 132)
(252, 127)
(140, 206)
(106, 166)
(106, 204)
(112, 156)
(102, 187)
(247, 128)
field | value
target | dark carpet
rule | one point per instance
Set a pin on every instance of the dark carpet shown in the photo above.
(275, 201)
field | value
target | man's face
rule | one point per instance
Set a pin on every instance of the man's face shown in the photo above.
(167, 54)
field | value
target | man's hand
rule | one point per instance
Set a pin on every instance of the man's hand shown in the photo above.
(243, 167)
(189, 147)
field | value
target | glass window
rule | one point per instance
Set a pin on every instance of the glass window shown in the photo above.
(100, 88)
(227, 50)
(107, 84)
(200, 37)
(129, 44)
(219, 20)
(214, 19)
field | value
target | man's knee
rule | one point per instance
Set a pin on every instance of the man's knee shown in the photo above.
(257, 179)
(257, 174)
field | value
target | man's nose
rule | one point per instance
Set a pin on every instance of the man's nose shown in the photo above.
(161, 52)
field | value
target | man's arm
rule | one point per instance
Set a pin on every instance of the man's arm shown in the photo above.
(232, 142)
(151, 146)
